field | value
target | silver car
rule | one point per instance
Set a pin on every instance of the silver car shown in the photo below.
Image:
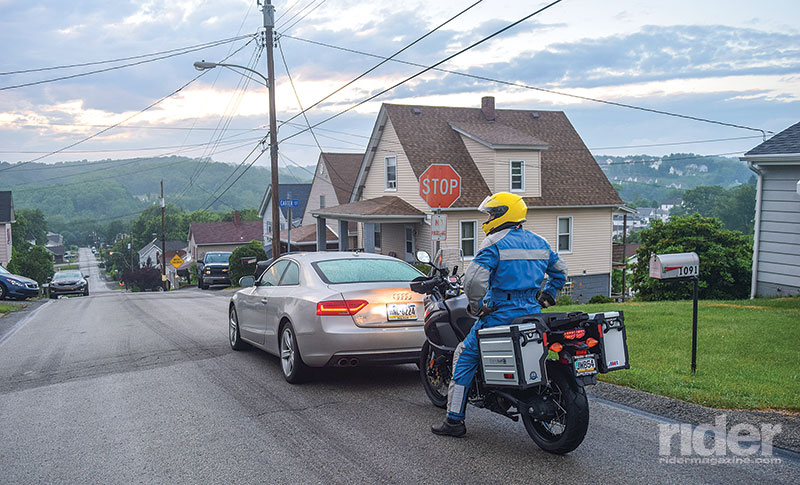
(337, 309)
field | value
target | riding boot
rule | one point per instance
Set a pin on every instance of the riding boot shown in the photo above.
(450, 427)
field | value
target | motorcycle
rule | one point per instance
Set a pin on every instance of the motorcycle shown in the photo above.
(535, 368)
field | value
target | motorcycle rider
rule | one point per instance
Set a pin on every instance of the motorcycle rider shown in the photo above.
(501, 284)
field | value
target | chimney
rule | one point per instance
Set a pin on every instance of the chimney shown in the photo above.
(487, 107)
(236, 217)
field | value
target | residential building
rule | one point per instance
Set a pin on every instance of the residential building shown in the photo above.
(776, 244)
(298, 192)
(536, 154)
(221, 236)
(6, 219)
(152, 252)
(58, 251)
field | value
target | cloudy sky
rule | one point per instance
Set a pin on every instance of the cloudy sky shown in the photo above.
(727, 60)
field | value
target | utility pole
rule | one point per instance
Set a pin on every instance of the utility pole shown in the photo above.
(163, 242)
(269, 23)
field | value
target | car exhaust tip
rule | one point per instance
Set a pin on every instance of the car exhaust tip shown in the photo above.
(353, 362)
(343, 363)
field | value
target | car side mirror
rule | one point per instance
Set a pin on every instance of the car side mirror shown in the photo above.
(423, 257)
(247, 281)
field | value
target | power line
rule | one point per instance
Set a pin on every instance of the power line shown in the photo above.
(113, 68)
(121, 59)
(236, 180)
(119, 123)
(535, 88)
(385, 60)
(428, 68)
(304, 16)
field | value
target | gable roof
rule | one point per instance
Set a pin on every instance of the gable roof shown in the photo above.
(225, 232)
(343, 171)
(286, 191)
(570, 175)
(168, 245)
(6, 207)
(784, 143)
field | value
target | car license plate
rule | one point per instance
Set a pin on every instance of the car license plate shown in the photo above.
(401, 311)
(585, 366)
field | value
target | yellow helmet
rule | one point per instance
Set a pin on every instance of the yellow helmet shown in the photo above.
(502, 207)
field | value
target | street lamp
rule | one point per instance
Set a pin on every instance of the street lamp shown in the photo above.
(273, 147)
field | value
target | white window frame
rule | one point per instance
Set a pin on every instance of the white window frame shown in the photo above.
(511, 175)
(559, 234)
(386, 181)
(461, 240)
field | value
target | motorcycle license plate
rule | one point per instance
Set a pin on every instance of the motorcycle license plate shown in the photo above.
(585, 366)
(401, 311)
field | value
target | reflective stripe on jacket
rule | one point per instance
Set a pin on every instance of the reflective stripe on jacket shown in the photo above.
(512, 262)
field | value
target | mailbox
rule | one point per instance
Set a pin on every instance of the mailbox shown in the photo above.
(678, 265)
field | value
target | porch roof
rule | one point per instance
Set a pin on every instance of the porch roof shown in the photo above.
(385, 209)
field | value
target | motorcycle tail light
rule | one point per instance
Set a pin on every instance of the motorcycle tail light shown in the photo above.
(591, 342)
(580, 352)
(556, 347)
(573, 334)
(340, 307)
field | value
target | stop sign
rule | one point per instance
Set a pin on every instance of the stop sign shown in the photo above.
(440, 185)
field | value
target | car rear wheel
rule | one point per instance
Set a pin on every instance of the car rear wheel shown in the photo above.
(234, 337)
(295, 371)
(3, 292)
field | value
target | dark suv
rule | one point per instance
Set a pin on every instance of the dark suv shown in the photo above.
(213, 270)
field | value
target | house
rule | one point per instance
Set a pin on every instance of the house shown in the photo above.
(536, 154)
(152, 252)
(54, 239)
(334, 180)
(776, 243)
(304, 238)
(6, 219)
(298, 192)
(58, 251)
(221, 236)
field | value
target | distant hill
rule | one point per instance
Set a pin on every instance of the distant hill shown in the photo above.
(102, 190)
(658, 177)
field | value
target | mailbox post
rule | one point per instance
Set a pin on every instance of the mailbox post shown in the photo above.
(680, 267)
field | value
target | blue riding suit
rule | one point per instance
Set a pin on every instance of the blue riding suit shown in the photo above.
(506, 275)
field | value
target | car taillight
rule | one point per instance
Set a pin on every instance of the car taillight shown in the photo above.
(573, 334)
(340, 307)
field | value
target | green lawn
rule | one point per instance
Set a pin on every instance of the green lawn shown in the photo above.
(6, 308)
(747, 351)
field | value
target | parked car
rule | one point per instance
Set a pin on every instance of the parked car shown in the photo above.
(69, 282)
(213, 270)
(16, 286)
(338, 309)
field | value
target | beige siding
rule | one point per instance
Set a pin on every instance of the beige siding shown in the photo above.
(320, 186)
(407, 183)
(5, 244)
(591, 238)
(484, 158)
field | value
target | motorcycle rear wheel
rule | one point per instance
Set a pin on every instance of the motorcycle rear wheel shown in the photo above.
(435, 376)
(566, 432)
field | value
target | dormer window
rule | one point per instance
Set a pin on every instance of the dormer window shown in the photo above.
(391, 173)
(517, 175)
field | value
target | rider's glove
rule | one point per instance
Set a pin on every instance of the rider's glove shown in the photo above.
(482, 311)
(546, 300)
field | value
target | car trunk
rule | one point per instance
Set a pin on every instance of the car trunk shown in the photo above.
(383, 299)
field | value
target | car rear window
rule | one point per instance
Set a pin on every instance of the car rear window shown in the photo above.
(363, 270)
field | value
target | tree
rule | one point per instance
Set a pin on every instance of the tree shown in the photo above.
(236, 269)
(700, 200)
(30, 225)
(34, 262)
(725, 259)
(735, 207)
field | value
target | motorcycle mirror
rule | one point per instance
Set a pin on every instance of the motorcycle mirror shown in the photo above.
(423, 257)
(455, 270)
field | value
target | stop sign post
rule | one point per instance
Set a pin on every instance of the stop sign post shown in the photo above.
(440, 186)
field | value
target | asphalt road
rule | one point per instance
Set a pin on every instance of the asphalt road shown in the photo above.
(143, 388)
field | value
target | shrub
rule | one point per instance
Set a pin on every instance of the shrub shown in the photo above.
(725, 259)
(601, 299)
(236, 268)
(34, 262)
(564, 300)
(140, 279)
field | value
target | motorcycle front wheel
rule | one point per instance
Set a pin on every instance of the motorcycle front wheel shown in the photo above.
(566, 431)
(435, 375)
